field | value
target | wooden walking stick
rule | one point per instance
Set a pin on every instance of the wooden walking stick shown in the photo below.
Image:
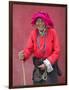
(23, 68)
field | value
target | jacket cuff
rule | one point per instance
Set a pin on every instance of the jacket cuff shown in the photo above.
(48, 65)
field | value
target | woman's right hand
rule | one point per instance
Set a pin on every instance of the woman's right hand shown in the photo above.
(21, 55)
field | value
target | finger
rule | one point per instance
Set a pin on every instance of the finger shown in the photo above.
(22, 51)
(40, 66)
(21, 58)
(21, 54)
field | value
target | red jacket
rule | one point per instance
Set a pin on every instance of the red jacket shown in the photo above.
(51, 52)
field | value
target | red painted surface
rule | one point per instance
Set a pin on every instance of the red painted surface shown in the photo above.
(22, 15)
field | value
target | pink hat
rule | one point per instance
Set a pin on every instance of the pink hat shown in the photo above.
(45, 18)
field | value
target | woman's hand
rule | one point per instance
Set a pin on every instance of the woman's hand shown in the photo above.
(21, 55)
(42, 66)
(48, 65)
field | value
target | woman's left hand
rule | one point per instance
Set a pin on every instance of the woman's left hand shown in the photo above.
(42, 66)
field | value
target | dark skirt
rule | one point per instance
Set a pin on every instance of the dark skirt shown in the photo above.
(52, 77)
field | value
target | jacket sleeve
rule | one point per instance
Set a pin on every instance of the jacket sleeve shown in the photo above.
(29, 49)
(56, 49)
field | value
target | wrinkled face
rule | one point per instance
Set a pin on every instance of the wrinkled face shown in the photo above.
(40, 25)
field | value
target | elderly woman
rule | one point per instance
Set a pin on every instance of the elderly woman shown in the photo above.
(44, 44)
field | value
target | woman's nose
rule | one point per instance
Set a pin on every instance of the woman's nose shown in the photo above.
(40, 23)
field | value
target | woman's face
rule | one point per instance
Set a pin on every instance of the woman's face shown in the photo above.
(40, 25)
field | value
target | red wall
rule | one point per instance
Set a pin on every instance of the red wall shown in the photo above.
(22, 15)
